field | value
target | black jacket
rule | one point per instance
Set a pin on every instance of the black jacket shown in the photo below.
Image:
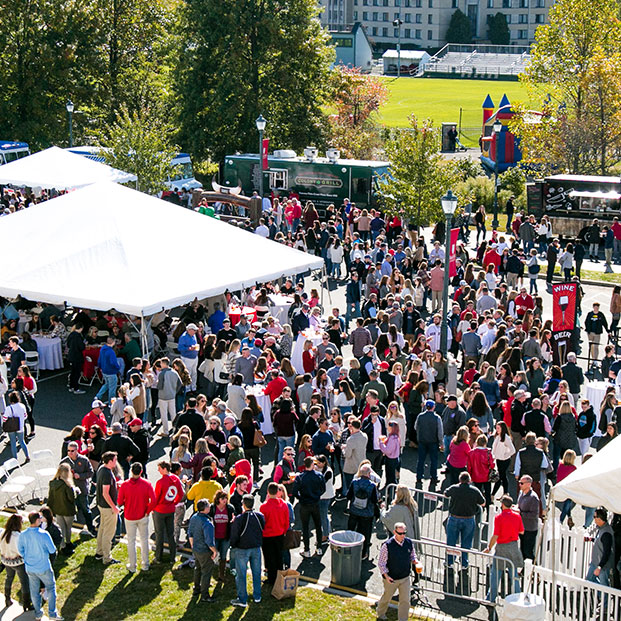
(75, 347)
(141, 439)
(122, 445)
(368, 428)
(309, 486)
(573, 375)
(247, 530)
(299, 322)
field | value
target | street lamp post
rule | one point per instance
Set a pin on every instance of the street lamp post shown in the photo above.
(397, 24)
(449, 204)
(497, 130)
(70, 108)
(261, 123)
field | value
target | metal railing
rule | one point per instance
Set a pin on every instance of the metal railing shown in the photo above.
(433, 513)
(568, 598)
(470, 583)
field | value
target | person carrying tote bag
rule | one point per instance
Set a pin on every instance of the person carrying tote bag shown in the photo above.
(13, 421)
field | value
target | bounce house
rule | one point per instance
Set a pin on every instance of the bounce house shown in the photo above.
(499, 151)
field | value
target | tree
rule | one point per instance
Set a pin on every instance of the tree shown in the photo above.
(498, 31)
(460, 28)
(576, 65)
(418, 175)
(357, 98)
(140, 142)
(242, 58)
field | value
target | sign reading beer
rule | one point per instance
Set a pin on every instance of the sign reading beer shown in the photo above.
(563, 320)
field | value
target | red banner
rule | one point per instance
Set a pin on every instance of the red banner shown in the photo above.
(264, 152)
(453, 252)
(564, 306)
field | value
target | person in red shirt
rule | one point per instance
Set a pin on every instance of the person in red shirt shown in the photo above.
(479, 463)
(523, 302)
(138, 497)
(309, 361)
(96, 417)
(492, 257)
(222, 513)
(508, 527)
(168, 492)
(276, 514)
(275, 386)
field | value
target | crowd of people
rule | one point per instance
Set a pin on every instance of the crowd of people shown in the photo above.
(494, 408)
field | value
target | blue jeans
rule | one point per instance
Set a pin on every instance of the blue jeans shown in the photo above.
(567, 506)
(348, 314)
(347, 479)
(242, 558)
(427, 449)
(47, 578)
(603, 578)
(324, 505)
(15, 437)
(282, 443)
(460, 529)
(498, 564)
(589, 514)
(110, 382)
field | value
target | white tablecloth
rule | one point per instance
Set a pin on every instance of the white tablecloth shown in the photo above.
(282, 304)
(595, 393)
(298, 348)
(265, 404)
(50, 352)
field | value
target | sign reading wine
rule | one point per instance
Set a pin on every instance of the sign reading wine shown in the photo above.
(563, 319)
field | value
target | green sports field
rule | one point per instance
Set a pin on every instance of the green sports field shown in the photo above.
(441, 100)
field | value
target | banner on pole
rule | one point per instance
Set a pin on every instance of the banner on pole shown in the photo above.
(564, 297)
(264, 152)
(453, 252)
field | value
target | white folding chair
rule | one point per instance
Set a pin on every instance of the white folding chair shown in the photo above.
(10, 490)
(16, 474)
(32, 360)
(45, 469)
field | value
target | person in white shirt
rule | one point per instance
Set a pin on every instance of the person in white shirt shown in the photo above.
(16, 409)
(262, 230)
(488, 337)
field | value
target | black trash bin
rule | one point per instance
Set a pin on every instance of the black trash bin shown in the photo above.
(346, 546)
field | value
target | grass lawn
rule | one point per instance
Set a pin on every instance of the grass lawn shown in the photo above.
(441, 99)
(89, 591)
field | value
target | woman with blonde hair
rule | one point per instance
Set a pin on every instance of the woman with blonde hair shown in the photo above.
(403, 509)
(393, 412)
(61, 500)
(182, 453)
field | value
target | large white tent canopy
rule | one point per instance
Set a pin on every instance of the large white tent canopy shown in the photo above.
(59, 169)
(108, 246)
(596, 483)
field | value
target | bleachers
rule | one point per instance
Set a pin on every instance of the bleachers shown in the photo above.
(478, 61)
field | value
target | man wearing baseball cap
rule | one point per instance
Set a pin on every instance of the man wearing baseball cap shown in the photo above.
(96, 417)
(188, 350)
(428, 427)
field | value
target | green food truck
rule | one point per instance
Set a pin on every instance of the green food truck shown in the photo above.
(322, 180)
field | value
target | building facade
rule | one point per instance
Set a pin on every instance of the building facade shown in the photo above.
(424, 22)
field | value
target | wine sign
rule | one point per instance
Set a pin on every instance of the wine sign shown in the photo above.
(563, 319)
(453, 252)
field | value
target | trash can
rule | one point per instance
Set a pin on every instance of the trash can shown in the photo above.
(346, 546)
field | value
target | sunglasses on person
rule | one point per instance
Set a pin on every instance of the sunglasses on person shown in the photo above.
(400, 532)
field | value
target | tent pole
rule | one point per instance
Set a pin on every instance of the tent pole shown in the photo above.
(143, 337)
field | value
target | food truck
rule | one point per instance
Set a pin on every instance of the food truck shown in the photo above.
(322, 180)
(571, 202)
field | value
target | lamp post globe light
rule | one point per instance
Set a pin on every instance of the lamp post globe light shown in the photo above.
(70, 107)
(449, 205)
(261, 123)
(497, 129)
(397, 24)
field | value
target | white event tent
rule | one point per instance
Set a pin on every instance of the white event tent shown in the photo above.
(108, 246)
(59, 169)
(596, 483)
